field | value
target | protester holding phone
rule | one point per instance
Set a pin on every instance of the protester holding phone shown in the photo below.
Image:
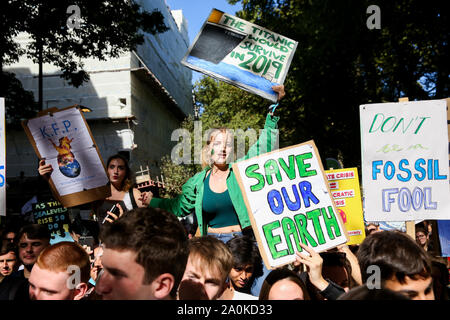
(123, 196)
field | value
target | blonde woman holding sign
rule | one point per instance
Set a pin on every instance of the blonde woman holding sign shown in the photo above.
(214, 193)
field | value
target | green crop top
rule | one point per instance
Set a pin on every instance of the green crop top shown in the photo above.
(218, 210)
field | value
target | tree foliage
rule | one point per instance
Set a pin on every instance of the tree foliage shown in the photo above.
(340, 63)
(106, 29)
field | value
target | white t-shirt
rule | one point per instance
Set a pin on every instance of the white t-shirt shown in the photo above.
(243, 296)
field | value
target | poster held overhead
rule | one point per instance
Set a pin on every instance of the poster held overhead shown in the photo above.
(288, 200)
(241, 53)
(63, 139)
(405, 161)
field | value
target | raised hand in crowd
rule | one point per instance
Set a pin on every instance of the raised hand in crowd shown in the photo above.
(280, 90)
(313, 264)
(145, 198)
(356, 271)
(45, 170)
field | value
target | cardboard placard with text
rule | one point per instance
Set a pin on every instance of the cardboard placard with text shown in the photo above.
(345, 189)
(63, 139)
(405, 171)
(241, 53)
(52, 214)
(289, 201)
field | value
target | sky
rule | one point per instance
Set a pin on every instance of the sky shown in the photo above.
(196, 12)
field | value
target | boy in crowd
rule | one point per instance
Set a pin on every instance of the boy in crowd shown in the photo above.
(8, 260)
(392, 260)
(144, 256)
(205, 278)
(61, 272)
(32, 239)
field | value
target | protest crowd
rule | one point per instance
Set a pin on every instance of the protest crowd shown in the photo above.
(268, 224)
(142, 250)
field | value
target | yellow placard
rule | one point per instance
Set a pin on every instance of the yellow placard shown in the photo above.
(345, 189)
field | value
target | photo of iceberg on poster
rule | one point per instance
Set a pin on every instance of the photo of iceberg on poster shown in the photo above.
(241, 53)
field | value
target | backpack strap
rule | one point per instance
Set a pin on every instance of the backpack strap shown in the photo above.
(133, 201)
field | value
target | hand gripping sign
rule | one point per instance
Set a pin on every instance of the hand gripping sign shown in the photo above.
(289, 201)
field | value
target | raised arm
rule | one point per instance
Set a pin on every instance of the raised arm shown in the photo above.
(268, 138)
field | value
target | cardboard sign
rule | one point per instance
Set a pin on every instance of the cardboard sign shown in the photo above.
(444, 237)
(405, 161)
(241, 53)
(63, 139)
(2, 159)
(288, 201)
(53, 215)
(345, 189)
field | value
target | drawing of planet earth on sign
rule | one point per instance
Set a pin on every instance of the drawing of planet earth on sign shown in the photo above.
(67, 163)
(69, 167)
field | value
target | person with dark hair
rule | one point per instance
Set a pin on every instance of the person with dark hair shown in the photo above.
(8, 235)
(50, 277)
(393, 260)
(31, 240)
(8, 260)
(423, 240)
(144, 256)
(247, 263)
(123, 195)
(283, 284)
(364, 293)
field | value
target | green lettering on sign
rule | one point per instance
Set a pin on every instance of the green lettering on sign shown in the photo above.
(314, 216)
(271, 167)
(302, 223)
(290, 170)
(331, 222)
(272, 240)
(289, 230)
(302, 166)
(250, 173)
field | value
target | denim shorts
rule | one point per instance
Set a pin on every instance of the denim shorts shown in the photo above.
(225, 237)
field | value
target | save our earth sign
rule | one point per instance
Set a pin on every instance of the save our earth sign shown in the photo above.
(289, 201)
(405, 170)
(241, 53)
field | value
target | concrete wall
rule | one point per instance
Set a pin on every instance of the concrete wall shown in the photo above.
(163, 52)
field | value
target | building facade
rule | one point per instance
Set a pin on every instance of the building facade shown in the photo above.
(137, 100)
